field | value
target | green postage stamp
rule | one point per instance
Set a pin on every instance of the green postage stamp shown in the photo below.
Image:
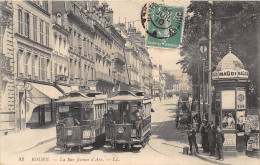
(164, 26)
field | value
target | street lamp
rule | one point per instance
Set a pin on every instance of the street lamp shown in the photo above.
(203, 42)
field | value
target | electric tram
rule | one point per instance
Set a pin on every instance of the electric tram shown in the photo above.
(128, 120)
(80, 120)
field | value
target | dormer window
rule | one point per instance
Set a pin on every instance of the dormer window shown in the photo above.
(59, 19)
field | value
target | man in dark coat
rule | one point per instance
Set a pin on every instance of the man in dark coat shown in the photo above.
(192, 138)
(211, 138)
(204, 137)
(219, 141)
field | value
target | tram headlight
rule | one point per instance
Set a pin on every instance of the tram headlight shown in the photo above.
(69, 132)
(120, 130)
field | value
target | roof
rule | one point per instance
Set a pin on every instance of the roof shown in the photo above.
(75, 97)
(230, 61)
(125, 96)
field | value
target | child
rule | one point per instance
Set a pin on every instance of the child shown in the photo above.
(220, 140)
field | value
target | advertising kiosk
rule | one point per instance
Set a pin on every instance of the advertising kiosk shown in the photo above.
(230, 81)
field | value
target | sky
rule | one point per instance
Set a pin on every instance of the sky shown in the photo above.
(126, 10)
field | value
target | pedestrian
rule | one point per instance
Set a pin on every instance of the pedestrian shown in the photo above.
(219, 141)
(204, 137)
(192, 139)
(211, 138)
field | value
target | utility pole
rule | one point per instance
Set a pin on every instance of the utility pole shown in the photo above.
(209, 76)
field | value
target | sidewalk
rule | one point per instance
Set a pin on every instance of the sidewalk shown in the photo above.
(26, 139)
(241, 158)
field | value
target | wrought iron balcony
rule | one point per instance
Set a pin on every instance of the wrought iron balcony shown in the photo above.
(104, 77)
(118, 56)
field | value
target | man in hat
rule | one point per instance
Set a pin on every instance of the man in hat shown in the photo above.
(211, 138)
(219, 141)
(204, 136)
(69, 121)
(192, 138)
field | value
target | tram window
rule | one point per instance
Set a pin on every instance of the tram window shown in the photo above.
(100, 111)
(88, 114)
(112, 106)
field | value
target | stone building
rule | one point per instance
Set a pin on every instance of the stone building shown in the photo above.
(77, 20)
(7, 86)
(33, 74)
(138, 63)
(60, 53)
(118, 60)
(103, 18)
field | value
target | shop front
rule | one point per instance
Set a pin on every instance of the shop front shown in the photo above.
(40, 106)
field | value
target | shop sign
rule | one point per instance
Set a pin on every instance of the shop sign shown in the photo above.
(230, 140)
(225, 74)
(63, 108)
(241, 99)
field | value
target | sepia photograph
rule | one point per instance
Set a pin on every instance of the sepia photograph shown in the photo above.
(129, 82)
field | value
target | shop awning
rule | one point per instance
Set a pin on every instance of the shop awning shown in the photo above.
(47, 90)
(65, 89)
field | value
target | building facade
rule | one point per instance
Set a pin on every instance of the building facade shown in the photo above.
(55, 47)
(7, 86)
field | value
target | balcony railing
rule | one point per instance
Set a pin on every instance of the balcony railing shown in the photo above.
(118, 56)
(135, 83)
(104, 77)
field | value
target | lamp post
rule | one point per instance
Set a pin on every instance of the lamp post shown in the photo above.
(203, 42)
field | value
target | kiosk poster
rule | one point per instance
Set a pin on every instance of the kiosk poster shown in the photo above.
(253, 141)
(241, 98)
(251, 123)
(228, 120)
(228, 99)
(230, 140)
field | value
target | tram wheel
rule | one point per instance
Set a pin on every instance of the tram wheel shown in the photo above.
(130, 146)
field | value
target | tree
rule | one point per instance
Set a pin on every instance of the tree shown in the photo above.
(234, 23)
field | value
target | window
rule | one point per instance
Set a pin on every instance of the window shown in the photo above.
(60, 70)
(1, 38)
(45, 5)
(64, 44)
(20, 62)
(79, 71)
(85, 73)
(20, 21)
(33, 66)
(39, 67)
(43, 69)
(34, 28)
(65, 70)
(55, 69)
(48, 70)
(51, 72)
(41, 31)
(47, 34)
(71, 68)
(27, 24)
(59, 19)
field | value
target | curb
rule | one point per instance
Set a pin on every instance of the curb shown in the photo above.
(34, 145)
